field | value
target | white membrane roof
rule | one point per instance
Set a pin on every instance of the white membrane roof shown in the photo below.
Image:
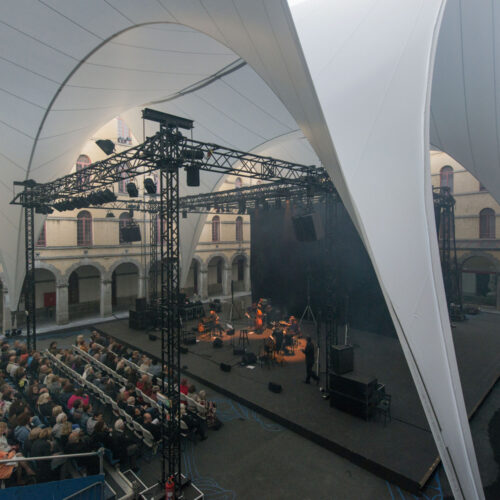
(356, 78)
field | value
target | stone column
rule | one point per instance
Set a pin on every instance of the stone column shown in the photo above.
(62, 309)
(106, 305)
(203, 284)
(226, 280)
(142, 286)
(7, 315)
(247, 286)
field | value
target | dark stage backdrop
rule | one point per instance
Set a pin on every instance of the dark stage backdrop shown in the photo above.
(281, 265)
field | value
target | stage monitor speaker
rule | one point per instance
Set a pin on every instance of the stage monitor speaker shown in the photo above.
(249, 358)
(129, 234)
(225, 367)
(342, 358)
(140, 305)
(183, 350)
(308, 227)
(152, 337)
(217, 343)
(354, 385)
(275, 387)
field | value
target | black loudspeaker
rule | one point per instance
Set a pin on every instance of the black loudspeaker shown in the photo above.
(249, 358)
(225, 368)
(342, 357)
(152, 337)
(128, 234)
(183, 350)
(217, 343)
(192, 176)
(189, 339)
(140, 305)
(354, 394)
(275, 387)
(308, 227)
(239, 351)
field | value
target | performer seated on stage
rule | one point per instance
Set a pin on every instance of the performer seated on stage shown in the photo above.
(278, 337)
(215, 323)
(294, 328)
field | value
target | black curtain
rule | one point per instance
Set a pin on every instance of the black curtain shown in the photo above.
(283, 269)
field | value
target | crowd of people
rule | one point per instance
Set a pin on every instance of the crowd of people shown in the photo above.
(43, 413)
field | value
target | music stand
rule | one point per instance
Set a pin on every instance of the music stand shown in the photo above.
(308, 313)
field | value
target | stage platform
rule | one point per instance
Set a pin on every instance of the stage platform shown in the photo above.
(402, 452)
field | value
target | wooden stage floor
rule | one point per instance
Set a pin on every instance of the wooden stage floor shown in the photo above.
(402, 452)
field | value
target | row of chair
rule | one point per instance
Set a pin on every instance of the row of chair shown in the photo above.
(139, 431)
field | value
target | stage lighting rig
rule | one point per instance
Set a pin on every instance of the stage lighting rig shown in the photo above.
(149, 186)
(132, 190)
(106, 145)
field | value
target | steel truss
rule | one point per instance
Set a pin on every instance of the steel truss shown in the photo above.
(148, 157)
(444, 208)
(166, 152)
(169, 304)
(29, 280)
(330, 278)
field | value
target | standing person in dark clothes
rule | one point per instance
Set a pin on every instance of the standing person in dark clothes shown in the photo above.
(309, 352)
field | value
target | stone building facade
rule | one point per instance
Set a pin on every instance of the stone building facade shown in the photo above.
(477, 231)
(83, 268)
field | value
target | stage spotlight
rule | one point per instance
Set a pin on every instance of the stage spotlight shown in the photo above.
(108, 195)
(110, 215)
(193, 175)
(150, 186)
(184, 214)
(132, 190)
(193, 154)
(106, 145)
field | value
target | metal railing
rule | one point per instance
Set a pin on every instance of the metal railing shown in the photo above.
(99, 453)
(88, 488)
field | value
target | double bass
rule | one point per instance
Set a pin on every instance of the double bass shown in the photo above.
(258, 322)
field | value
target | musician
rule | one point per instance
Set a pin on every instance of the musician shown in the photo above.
(258, 323)
(214, 320)
(309, 351)
(278, 337)
(293, 326)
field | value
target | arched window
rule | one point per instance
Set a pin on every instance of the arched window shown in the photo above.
(216, 228)
(82, 162)
(123, 222)
(446, 177)
(239, 228)
(84, 229)
(487, 223)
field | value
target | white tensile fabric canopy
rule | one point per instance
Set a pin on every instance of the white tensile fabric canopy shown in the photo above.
(354, 77)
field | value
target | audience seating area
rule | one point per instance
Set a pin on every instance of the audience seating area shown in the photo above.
(94, 395)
